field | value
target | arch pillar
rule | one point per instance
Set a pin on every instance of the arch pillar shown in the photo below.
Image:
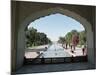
(91, 50)
(20, 48)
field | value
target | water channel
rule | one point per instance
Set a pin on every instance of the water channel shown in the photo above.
(55, 51)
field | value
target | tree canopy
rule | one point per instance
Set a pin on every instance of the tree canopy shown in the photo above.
(61, 40)
(34, 38)
(68, 37)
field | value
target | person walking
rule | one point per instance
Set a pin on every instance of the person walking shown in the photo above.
(84, 50)
(71, 45)
(66, 45)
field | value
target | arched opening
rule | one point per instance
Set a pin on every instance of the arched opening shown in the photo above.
(55, 32)
(34, 16)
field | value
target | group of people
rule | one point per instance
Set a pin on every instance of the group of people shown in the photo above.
(74, 43)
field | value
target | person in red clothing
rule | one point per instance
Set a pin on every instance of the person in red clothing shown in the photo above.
(75, 40)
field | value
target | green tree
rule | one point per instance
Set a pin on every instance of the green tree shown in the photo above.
(62, 40)
(68, 37)
(82, 36)
(34, 38)
(31, 36)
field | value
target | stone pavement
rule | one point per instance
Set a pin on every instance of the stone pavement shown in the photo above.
(77, 52)
(33, 52)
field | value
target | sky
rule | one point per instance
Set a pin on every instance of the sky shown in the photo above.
(56, 25)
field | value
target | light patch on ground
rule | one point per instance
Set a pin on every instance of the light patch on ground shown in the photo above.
(31, 54)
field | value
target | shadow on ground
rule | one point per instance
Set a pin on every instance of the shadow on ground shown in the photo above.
(55, 67)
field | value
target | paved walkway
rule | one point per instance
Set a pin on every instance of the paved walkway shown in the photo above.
(37, 48)
(77, 52)
(33, 52)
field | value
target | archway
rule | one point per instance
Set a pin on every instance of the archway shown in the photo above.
(34, 16)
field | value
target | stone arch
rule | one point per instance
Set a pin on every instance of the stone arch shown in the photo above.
(34, 16)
